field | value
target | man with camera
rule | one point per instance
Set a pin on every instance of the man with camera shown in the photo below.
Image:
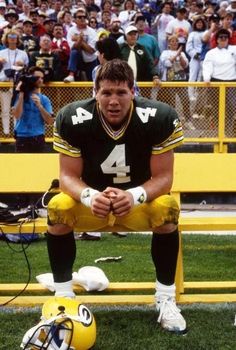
(31, 110)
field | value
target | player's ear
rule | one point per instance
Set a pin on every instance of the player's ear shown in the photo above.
(132, 92)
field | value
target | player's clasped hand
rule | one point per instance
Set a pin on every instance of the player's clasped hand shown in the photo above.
(121, 201)
(100, 205)
(111, 200)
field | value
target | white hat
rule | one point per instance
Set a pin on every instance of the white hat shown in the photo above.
(3, 4)
(130, 29)
(91, 278)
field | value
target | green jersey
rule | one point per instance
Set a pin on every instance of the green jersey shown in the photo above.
(119, 159)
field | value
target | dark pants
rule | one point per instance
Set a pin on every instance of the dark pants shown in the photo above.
(77, 64)
(34, 144)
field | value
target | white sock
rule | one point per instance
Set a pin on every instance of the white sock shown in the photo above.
(163, 290)
(64, 289)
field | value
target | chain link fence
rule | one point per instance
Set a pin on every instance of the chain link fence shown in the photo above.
(207, 112)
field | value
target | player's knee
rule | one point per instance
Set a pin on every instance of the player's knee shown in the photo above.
(61, 203)
(165, 212)
(61, 210)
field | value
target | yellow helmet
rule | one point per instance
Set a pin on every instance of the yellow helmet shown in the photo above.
(65, 325)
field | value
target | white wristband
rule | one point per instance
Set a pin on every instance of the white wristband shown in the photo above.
(86, 196)
(139, 194)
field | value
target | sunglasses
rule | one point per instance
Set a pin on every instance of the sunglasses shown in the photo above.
(223, 37)
(80, 17)
(93, 22)
(12, 36)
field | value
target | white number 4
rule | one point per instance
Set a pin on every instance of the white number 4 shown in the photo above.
(115, 164)
(145, 113)
(81, 116)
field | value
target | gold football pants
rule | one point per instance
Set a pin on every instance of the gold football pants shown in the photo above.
(62, 209)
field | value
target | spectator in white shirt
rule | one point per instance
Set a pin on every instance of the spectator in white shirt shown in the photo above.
(11, 60)
(160, 23)
(220, 65)
(180, 27)
(81, 39)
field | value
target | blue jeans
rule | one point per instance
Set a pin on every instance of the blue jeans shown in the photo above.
(76, 63)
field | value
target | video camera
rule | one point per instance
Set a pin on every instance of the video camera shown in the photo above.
(28, 82)
(28, 85)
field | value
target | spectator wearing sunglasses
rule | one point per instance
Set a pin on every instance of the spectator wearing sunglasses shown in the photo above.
(12, 59)
(81, 39)
(93, 23)
(226, 23)
(220, 63)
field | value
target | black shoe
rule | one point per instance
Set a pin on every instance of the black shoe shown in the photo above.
(86, 237)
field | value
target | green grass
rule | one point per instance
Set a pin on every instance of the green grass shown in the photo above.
(210, 328)
(206, 257)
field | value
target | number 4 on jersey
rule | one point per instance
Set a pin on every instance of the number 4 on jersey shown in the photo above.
(81, 116)
(115, 164)
(145, 113)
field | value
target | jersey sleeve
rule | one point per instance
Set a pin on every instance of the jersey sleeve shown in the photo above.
(61, 141)
(170, 129)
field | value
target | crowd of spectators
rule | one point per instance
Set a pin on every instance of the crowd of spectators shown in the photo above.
(60, 37)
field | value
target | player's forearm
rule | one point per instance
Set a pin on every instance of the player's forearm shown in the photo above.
(72, 186)
(157, 187)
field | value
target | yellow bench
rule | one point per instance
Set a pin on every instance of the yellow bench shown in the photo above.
(194, 173)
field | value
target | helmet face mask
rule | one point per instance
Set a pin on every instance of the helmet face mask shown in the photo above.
(65, 325)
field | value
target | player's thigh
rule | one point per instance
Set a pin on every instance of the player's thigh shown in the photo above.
(63, 209)
(148, 216)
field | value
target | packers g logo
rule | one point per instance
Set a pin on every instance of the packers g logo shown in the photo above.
(86, 318)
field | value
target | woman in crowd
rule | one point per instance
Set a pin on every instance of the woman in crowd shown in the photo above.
(194, 49)
(12, 60)
(220, 65)
(172, 65)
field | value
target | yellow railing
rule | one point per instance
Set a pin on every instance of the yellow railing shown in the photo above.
(210, 118)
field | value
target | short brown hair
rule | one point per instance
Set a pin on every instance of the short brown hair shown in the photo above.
(115, 70)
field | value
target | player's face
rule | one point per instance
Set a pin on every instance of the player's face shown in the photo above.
(114, 99)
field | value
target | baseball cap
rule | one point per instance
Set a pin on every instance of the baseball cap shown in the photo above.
(11, 12)
(33, 11)
(48, 20)
(3, 4)
(27, 21)
(130, 29)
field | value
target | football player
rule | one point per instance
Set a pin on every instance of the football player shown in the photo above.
(116, 172)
